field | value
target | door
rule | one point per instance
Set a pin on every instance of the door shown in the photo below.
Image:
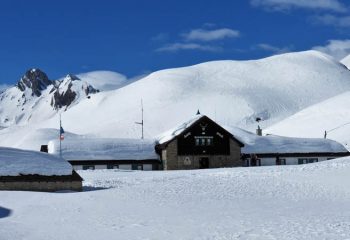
(203, 163)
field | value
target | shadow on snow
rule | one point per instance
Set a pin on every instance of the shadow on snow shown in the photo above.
(4, 212)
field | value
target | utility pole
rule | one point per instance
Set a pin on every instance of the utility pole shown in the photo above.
(141, 123)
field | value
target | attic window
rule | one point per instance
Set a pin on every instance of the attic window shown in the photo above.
(204, 141)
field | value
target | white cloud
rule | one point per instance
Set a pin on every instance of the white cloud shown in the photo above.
(336, 48)
(281, 5)
(332, 20)
(188, 46)
(210, 35)
(273, 49)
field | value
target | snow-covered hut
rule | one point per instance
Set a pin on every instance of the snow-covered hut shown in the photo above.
(199, 143)
(107, 153)
(35, 171)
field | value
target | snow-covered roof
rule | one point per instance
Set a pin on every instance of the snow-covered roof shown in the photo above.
(172, 133)
(279, 144)
(104, 149)
(15, 162)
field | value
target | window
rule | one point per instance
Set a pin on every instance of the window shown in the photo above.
(209, 141)
(197, 141)
(204, 141)
(307, 160)
(88, 167)
(112, 166)
(136, 167)
(255, 162)
(280, 161)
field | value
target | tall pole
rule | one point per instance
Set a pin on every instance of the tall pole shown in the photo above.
(141, 123)
(142, 118)
(60, 137)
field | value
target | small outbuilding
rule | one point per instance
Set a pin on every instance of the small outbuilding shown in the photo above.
(199, 143)
(107, 153)
(24, 170)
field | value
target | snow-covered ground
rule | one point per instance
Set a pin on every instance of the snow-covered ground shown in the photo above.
(281, 202)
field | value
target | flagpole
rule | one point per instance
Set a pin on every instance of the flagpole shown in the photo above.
(60, 137)
(142, 117)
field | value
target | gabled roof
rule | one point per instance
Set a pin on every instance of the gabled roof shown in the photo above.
(171, 134)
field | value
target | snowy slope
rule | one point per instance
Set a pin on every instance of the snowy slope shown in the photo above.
(346, 61)
(305, 202)
(230, 92)
(332, 115)
(35, 98)
(15, 162)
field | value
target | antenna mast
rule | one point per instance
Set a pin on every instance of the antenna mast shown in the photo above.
(141, 123)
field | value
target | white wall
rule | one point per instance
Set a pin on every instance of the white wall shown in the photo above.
(147, 167)
(268, 161)
(125, 166)
(100, 166)
(78, 167)
(289, 160)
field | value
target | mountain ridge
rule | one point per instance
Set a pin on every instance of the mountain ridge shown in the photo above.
(233, 93)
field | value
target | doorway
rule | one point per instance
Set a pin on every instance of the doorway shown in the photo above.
(203, 163)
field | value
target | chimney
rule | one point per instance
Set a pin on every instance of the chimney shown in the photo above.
(259, 131)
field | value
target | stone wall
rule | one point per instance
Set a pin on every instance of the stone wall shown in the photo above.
(171, 161)
(41, 186)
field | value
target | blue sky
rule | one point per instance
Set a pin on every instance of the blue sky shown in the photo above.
(136, 37)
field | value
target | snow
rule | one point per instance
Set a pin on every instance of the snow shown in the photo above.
(104, 149)
(15, 162)
(279, 144)
(172, 133)
(264, 144)
(232, 93)
(332, 115)
(280, 202)
(346, 61)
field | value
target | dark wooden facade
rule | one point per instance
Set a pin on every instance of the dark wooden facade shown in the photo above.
(203, 137)
(203, 144)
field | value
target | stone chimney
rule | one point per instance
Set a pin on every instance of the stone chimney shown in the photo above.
(259, 131)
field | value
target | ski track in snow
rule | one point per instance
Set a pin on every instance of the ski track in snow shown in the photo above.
(280, 202)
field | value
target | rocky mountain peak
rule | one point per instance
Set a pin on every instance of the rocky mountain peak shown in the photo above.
(34, 79)
(72, 77)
